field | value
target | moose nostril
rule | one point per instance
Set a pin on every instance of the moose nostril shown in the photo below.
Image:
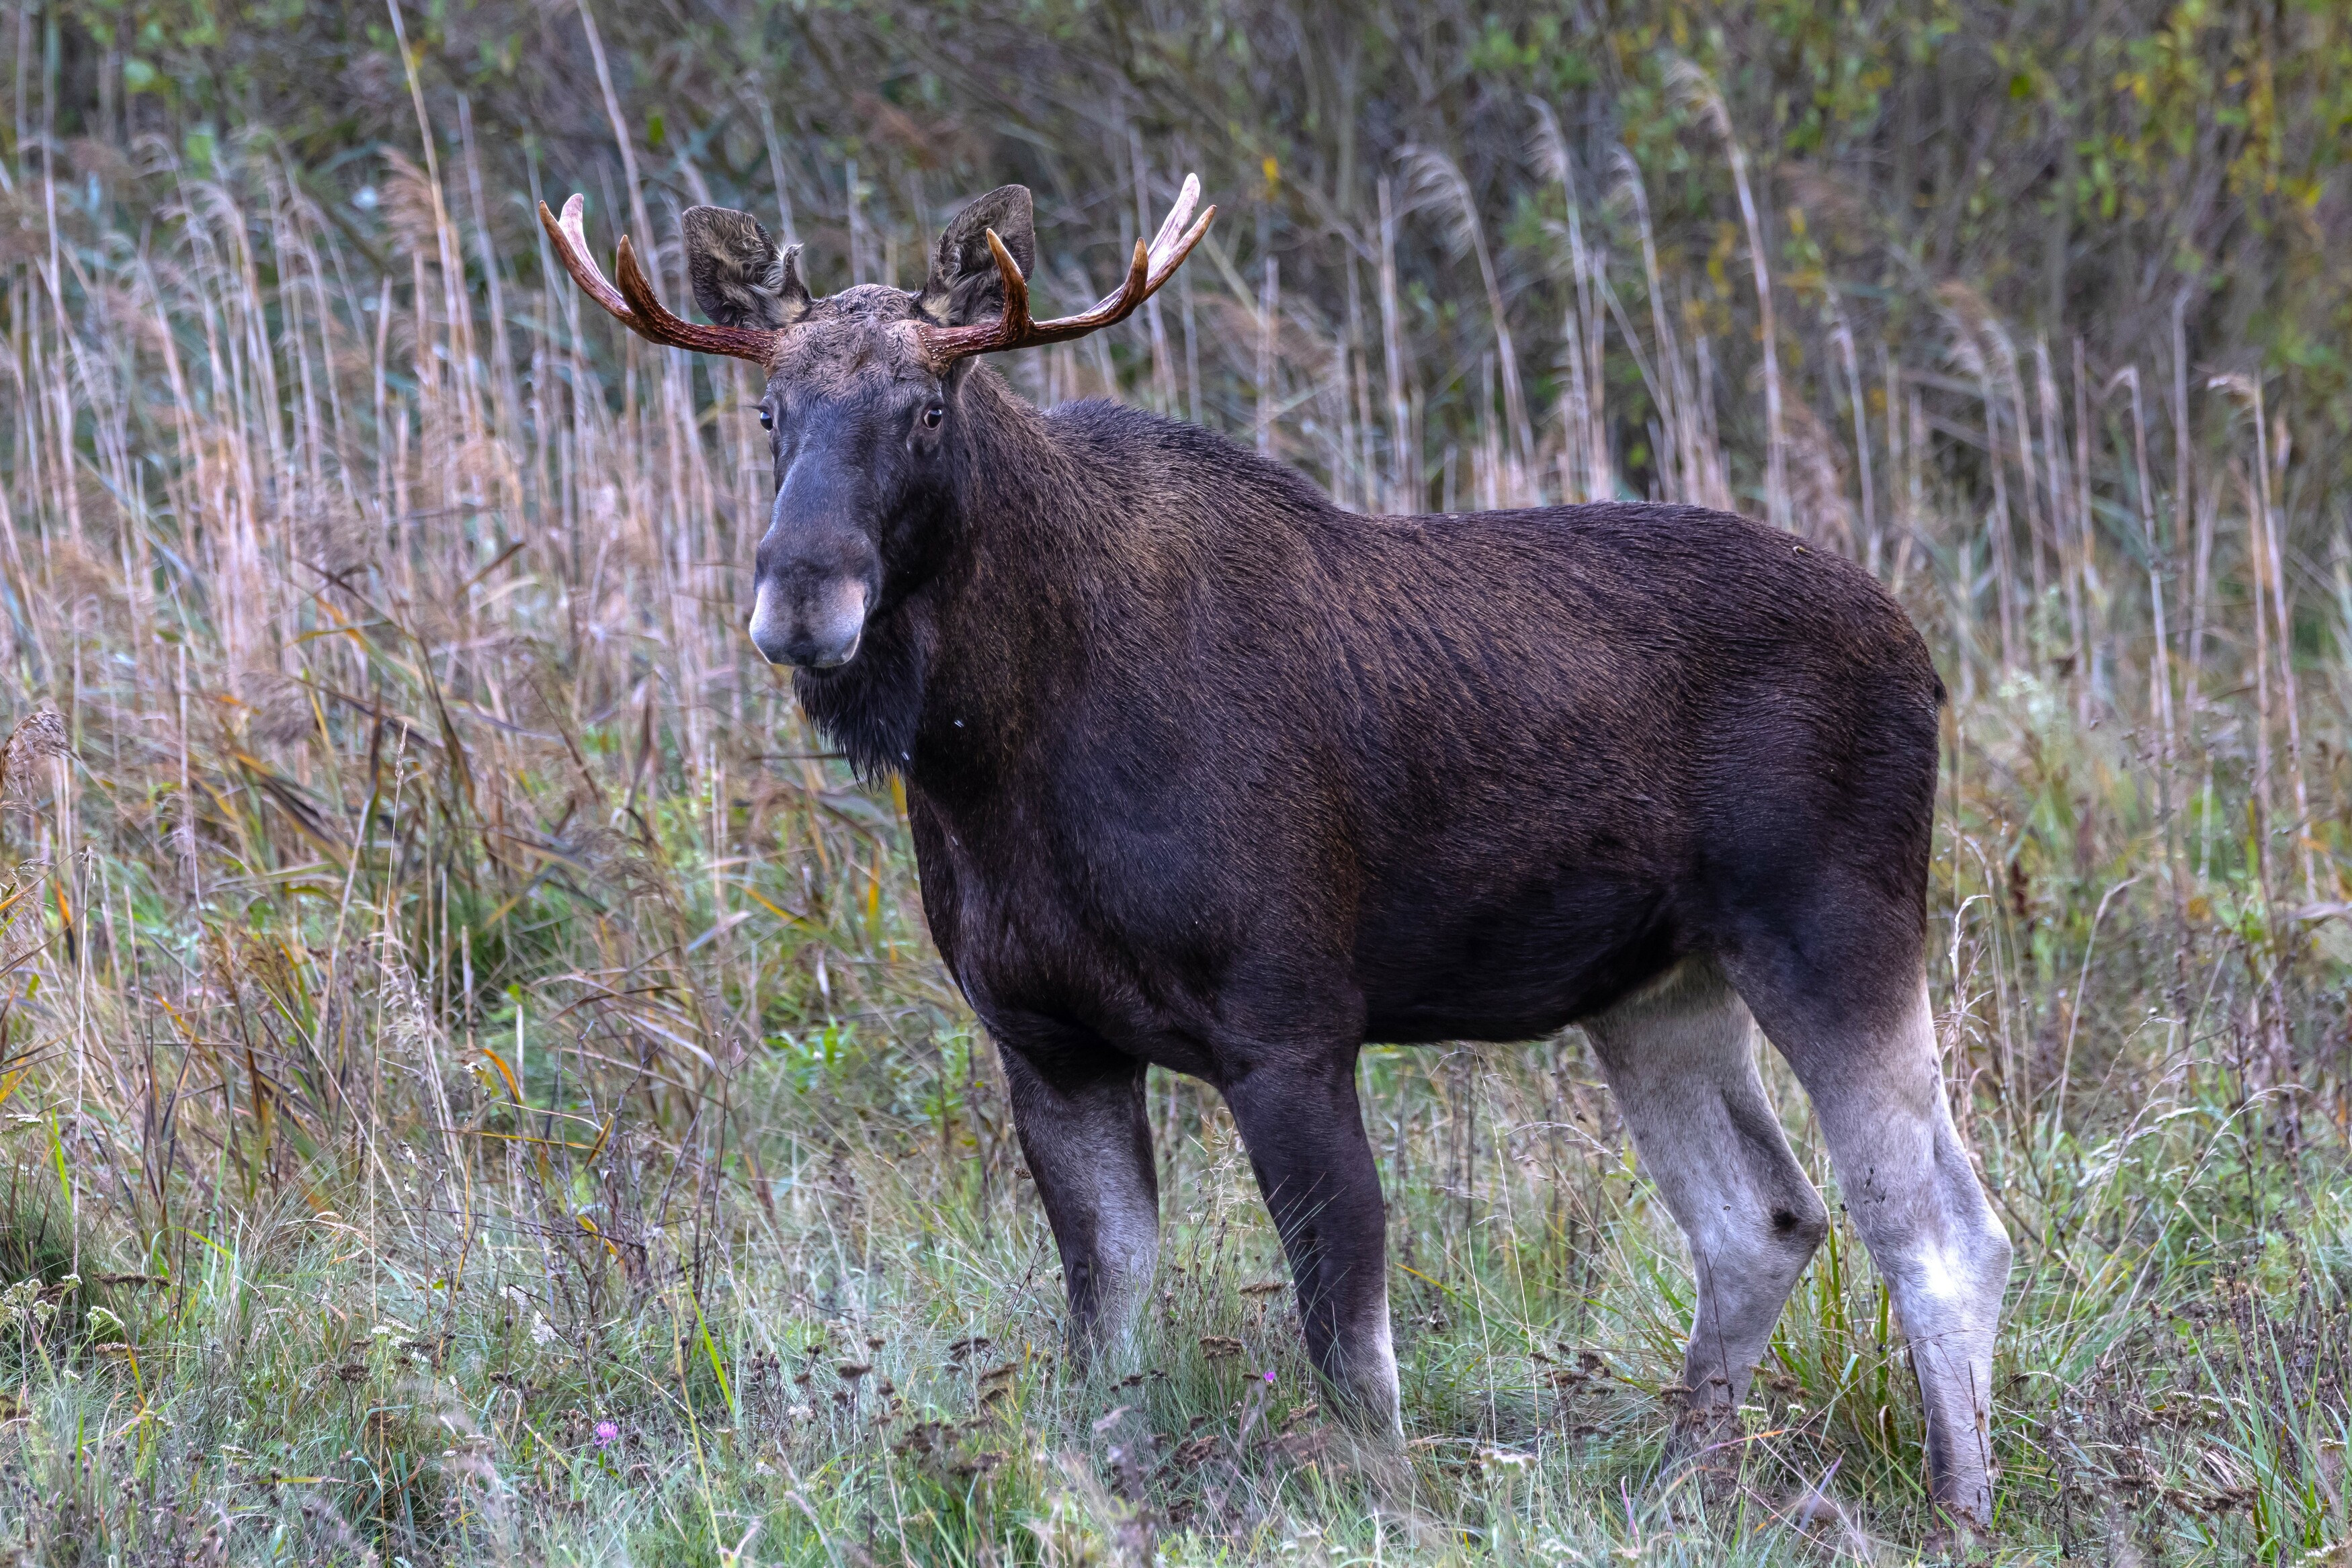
(770, 628)
(774, 648)
(818, 631)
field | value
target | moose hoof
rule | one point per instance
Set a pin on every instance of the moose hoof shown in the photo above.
(1957, 1538)
(1705, 1452)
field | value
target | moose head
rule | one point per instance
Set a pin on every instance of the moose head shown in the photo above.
(865, 390)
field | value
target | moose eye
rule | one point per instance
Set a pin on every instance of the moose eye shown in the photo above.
(767, 420)
(932, 415)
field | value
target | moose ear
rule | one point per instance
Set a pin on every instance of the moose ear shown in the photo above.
(740, 278)
(964, 285)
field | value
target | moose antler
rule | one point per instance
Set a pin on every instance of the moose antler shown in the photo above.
(633, 304)
(1153, 265)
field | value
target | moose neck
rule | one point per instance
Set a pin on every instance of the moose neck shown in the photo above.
(989, 632)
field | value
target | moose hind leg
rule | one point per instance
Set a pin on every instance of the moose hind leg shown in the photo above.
(1680, 1058)
(1089, 1143)
(1922, 1212)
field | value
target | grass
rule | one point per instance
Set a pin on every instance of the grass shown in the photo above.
(811, 1314)
(475, 1087)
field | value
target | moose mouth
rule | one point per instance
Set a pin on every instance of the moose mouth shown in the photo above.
(826, 666)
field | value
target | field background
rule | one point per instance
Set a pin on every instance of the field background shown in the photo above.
(474, 1085)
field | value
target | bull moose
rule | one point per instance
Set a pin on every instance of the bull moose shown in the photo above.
(1204, 771)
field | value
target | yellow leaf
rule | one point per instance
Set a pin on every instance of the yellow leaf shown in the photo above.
(589, 1226)
(504, 1071)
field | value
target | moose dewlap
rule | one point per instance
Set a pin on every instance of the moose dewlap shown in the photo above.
(1204, 771)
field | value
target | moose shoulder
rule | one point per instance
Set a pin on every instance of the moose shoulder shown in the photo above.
(1206, 772)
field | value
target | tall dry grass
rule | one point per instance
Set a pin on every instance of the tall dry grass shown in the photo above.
(477, 1088)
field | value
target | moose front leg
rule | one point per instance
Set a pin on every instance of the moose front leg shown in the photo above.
(1305, 1134)
(1080, 1117)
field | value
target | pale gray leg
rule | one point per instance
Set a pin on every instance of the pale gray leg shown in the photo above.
(1929, 1226)
(1680, 1057)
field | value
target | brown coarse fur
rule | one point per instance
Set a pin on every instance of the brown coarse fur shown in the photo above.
(1499, 767)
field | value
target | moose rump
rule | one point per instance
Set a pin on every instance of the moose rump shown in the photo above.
(1206, 773)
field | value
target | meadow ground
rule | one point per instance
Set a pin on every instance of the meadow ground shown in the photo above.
(589, 1272)
(474, 1086)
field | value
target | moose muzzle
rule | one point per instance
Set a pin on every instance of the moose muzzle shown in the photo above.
(818, 571)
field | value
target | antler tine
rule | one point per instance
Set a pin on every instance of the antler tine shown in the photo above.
(1152, 265)
(1012, 323)
(572, 246)
(1178, 217)
(635, 304)
(1181, 249)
